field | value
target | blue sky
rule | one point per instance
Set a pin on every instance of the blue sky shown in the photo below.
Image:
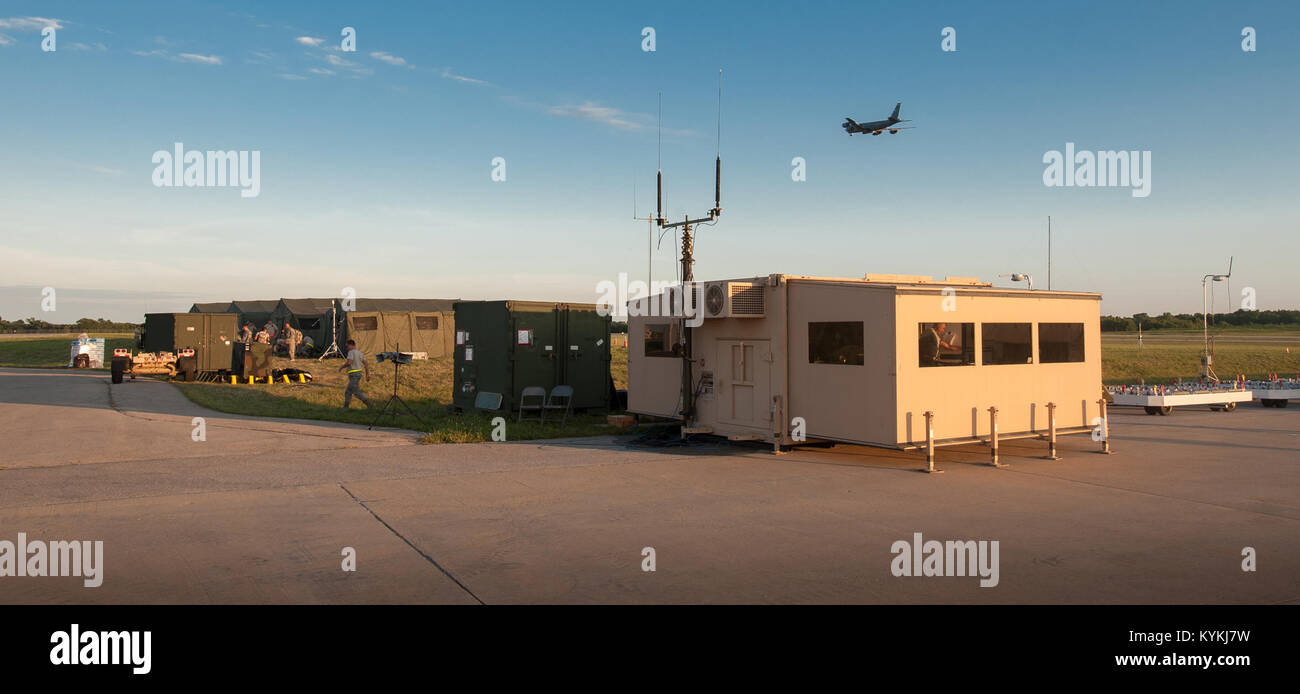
(375, 165)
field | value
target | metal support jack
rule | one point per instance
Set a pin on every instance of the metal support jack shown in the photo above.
(1051, 432)
(993, 438)
(929, 444)
(1105, 429)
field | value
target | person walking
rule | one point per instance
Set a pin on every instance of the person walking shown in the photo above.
(355, 363)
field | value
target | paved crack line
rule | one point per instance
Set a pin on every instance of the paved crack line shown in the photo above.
(410, 544)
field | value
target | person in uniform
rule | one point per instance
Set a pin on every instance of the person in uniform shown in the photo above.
(355, 363)
(262, 338)
(246, 336)
(293, 337)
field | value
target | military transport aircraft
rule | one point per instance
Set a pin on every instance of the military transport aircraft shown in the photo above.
(876, 127)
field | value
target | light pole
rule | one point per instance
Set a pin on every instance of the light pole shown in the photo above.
(1207, 365)
(1207, 369)
(1020, 277)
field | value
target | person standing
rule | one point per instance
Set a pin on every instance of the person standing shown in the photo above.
(247, 336)
(270, 329)
(933, 345)
(293, 337)
(355, 363)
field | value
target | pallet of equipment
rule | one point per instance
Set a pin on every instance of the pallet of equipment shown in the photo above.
(1157, 400)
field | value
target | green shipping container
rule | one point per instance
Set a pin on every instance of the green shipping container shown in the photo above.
(506, 346)
(210, 335)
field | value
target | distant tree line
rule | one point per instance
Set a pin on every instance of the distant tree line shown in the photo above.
(1192, 321)
(83, 325)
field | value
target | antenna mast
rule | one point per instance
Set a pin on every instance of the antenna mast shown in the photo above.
(688, 254)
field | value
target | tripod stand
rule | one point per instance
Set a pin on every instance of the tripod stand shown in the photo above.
(334, 336)
(395, 398)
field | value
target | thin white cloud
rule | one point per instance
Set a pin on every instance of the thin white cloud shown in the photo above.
(309, 41)
(181, 58)
(29, 23)
(321, 71)
(25, 24)
(290, 76)
(347, 67)
(390, 59)
(88, 47)
(448, 74)
(612, 117)
(196, 58)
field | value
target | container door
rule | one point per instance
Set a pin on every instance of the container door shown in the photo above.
(535, 344)
(744, 377)
(586, 352)
(190, 331)
(218, 344)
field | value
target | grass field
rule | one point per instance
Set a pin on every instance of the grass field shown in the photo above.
(47, 352)
(1177, 354)
(426, 385)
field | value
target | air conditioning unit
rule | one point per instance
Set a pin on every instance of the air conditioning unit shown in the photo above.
(733, 300)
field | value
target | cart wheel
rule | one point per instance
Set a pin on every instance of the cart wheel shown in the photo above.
(1166, 410)
(1279, 403)
(1228, 407)
(1265, 402)
(117, 368)
(187, 367)
(1152, 410)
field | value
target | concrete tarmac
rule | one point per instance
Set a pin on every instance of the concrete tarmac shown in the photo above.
(261, 511)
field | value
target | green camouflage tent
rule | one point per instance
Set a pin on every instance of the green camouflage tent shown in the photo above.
(414, 325)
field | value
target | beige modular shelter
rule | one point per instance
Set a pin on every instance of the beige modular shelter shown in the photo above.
(862, 360)
(425, 326)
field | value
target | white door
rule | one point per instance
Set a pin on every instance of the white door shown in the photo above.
(744, 382)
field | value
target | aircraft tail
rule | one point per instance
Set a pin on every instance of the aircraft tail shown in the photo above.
(894, 115)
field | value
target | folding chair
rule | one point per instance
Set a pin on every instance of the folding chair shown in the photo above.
(532, 392)
(565, 392)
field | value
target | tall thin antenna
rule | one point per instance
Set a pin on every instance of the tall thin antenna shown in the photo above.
(1049, 252)
(687, 276)
(717, 166)
(659, 177)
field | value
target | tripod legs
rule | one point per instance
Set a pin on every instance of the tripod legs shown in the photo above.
(394, 398)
